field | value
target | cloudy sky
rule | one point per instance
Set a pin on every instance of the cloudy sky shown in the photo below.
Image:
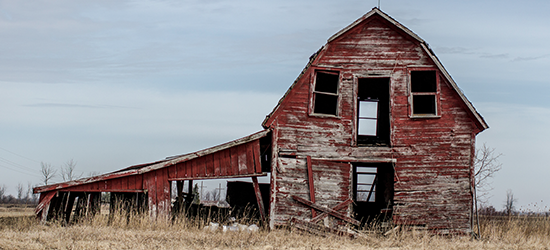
(115, 83)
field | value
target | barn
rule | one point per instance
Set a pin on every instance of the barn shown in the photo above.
(374, 127)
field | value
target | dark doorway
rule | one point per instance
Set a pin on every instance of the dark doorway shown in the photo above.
(373, 112)
(373, 192)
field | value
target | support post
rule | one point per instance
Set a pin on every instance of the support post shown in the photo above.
(190, 195)
(69, 206)
(311, 186)
(258, 197)
(179, 199)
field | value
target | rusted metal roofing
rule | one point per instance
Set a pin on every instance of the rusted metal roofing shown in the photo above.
(148, 167)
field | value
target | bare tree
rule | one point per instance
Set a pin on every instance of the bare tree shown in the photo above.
(486, 164)
(2, 192)
(510, 205)
(20, 192)
(67, 171)
(47, 172)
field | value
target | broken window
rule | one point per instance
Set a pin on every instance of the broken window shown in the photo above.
(365, 188)
(373, 112)
(325, 93)
(424, 93)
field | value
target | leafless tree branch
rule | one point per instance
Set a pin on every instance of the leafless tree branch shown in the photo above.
(47, 171)
(67, 171)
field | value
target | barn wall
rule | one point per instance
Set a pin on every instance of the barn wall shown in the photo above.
(432, 156)
(330, 180)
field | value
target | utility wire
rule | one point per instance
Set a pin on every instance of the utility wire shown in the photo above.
(16, 164)
(17, 170)
(19, 155)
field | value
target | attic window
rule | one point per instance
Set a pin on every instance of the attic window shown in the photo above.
(424, 94)
(325, 93)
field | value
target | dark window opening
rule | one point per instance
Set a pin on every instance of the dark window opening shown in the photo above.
(424, 104)
(326, 93)
(423, 81)
(424, 92)
(373, 191)
(373, 112)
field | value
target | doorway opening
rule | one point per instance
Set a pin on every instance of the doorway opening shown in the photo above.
(373, 190)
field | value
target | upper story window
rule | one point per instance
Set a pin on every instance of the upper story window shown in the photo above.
(424, 93)
(325, 93)
(373, 112)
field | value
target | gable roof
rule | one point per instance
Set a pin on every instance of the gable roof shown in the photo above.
(375, 11)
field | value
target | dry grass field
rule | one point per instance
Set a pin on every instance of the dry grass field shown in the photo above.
(24, 232)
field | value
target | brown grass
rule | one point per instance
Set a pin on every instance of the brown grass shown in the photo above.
(141, 233)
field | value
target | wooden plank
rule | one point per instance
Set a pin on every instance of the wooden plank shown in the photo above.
(225, 162)
(200, 167)
(249, 158)
(216, 158)
(257, 157)
(242, 159)
(259, 198)
(163, 193)
(124, 182)
(132, 182)
(209, 164)
(338, 207)
(218, 177)
(234, 161)
(150, 180)
(311, 185)
(327, 210)
(318, 229)
(173, 171)
(116, 184)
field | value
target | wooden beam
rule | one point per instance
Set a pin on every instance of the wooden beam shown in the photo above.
(336, 208)
(258, 197)
(217, 177)
(326, 210)
(318, 229)
(311, 185)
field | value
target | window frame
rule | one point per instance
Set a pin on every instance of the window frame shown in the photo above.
(314, 93)
(371, 193)
(436, 94)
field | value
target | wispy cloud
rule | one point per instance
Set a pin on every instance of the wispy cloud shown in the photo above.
(495, 56)
(530, 58)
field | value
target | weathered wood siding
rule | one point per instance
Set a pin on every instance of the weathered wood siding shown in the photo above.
(331, 184)
(433, 156)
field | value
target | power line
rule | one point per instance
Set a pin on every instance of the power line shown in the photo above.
(19, 155)
(17, 170)
(16, 164)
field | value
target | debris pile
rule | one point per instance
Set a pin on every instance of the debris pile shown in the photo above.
(234, 227)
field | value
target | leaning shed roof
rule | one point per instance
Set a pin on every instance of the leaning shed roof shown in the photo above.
(377, 12)
(179, 159)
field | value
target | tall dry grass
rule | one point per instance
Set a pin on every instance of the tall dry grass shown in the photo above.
(139, 232)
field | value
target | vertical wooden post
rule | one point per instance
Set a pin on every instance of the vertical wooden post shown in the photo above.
(190, 196)
(311, 186)
(179, 199)
(258, 197)
(69, 206)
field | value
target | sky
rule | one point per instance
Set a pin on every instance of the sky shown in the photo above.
(111, 84)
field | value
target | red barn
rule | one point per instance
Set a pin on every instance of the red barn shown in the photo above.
(373, 127)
